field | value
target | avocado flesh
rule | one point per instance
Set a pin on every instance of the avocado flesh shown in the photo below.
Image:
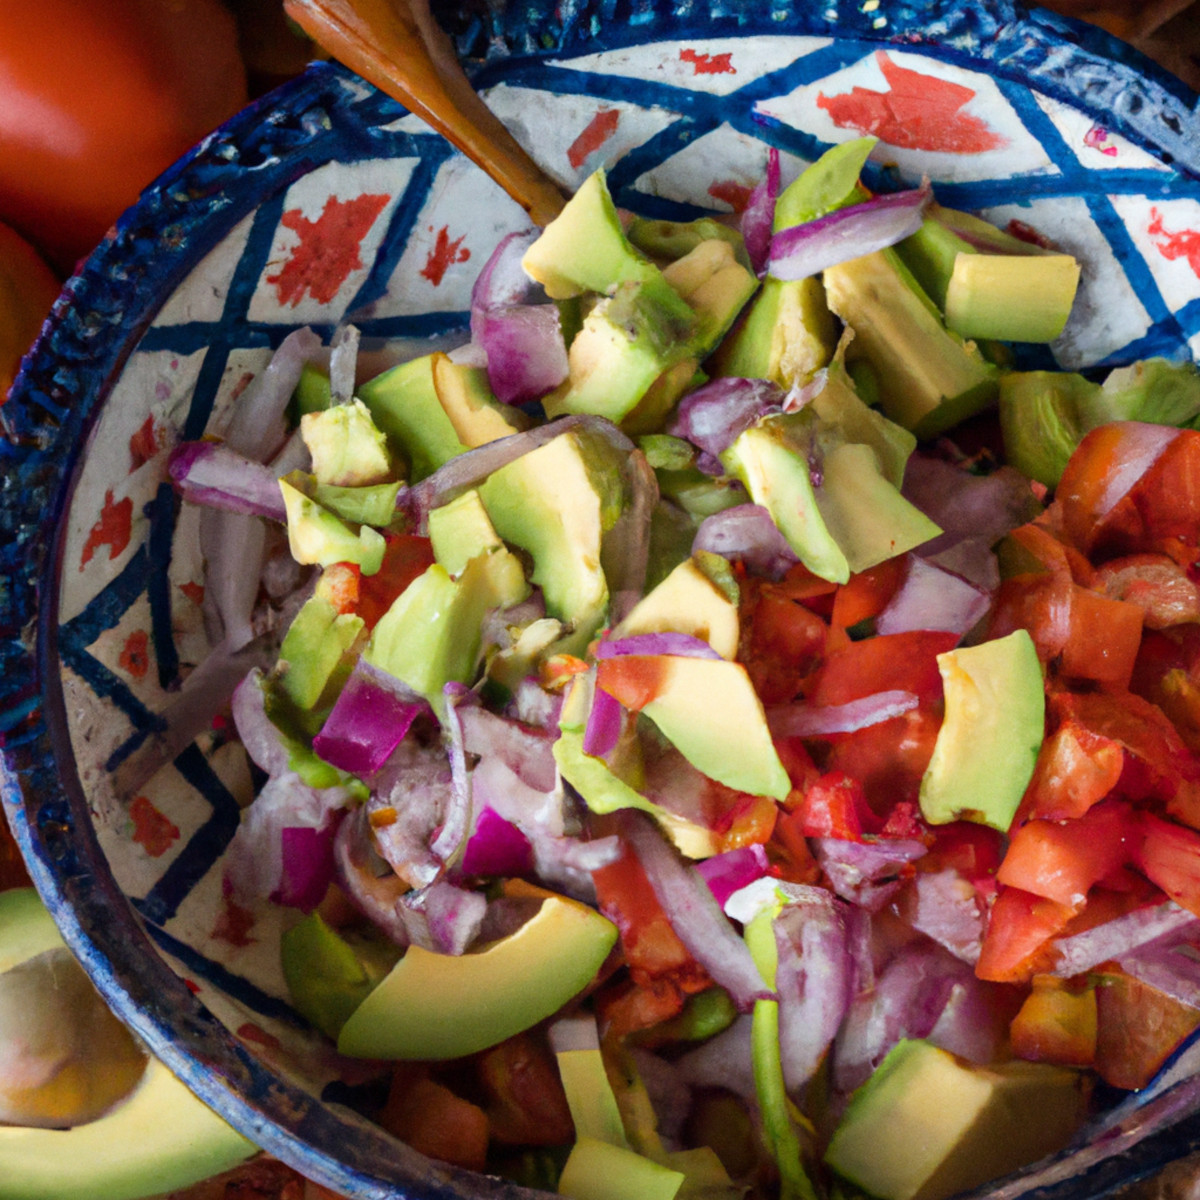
(786, 335)
(441, 1006)
(461, 529)
(403, 403)
(346, 447)
(929, 378)
(715, 286)
(598, 1170)
(159, 1137)
(988, 744)
(1013, 298)
(689, 600)
(926, 1125)
(316, 536)
(553, 504)
(772, 461)
(672, 240)
(471, 407)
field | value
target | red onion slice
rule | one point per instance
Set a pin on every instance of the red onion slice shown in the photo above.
(457, 817)
(442, 917)
(846, 233)
(731, 871)
(931, 598)
(758, 217)
(526, 354)
(604, 722)
(214, 475)
(944, 906)
(258, 427)
(308, 865)
(747, 533)
(820, 720)
(258, 734)
(1117, 938)
(714, 414)
(503, 281)
(868, 874)
(680, 645)
(496, 847)
(369, 719)
(694, 913)
(374, 895)
(1170, 963)
(343, 363)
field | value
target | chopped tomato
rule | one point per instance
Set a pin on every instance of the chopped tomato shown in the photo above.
(974, 851)
(1062, 860)
(1169, 855)
(1103, 638)
(526, 1104)
(889, 758)
(1156, 583)
(835, 806)
(434, 1121)
(634, 679)
(1043, 552)
(404, 558)
(782, 641)
(1076, 768)
(889, 662)
(1056, 1024)
(1039, 603)
(866, 594)
(1016, 944)
(1137, 1029)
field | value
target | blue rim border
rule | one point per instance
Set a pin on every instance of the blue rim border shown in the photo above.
(43, 431)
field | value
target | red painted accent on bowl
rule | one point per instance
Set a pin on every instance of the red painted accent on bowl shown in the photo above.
(919, 112)
(709, 64)
(328, 249)
(135, 654)
(112, 530)
(151, 830)
(444, 255)
(599, 129)
(1185, 243)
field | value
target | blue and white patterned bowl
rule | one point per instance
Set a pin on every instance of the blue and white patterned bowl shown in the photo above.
(326, 203)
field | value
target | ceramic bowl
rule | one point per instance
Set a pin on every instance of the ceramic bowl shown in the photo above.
(326, 203)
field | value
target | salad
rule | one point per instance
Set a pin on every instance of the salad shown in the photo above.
(707, 751)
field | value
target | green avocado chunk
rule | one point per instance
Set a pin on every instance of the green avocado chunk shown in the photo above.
(988, 744)
(440, 1006)
(159, 1138)
(926, 1125)
(315, 535)
(599, 1170)
(347, 449)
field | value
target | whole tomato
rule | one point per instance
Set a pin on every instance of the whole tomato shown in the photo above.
(100, 98)
(27, 290)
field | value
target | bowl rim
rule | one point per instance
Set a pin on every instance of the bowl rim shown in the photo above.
(68, 375)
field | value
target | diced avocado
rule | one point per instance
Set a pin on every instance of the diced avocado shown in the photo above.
(461, 529)
(652, 410)
(925, 1125)
(372, 505)
(627, 342)
(1044, 415)
(700, 495)
(982, 234)
(590, 1097)
(556, 503)
(584, 249)
(830, 183)
(672, 534)
(716, 287)
(772, 461)
(508, 667)
(930, 254)
(692, 599)
(708, 710)
(664, 452)
(403, 402)
(316, 644)
(672, 240)
(159, 1136)
(313, 391)
(327, 976)
(786, 335)
(1040, 420)
(346, 447)
(469, 403)
(439, 1006)
(841, 410)
(598, 1170)
(864, 512)
(988, 744)
(1015, 298)
(315, 535)
(929, 379)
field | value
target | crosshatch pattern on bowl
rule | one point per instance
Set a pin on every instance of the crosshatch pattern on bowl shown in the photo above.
(328, 204)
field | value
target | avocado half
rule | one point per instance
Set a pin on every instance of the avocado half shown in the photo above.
(159, 1139)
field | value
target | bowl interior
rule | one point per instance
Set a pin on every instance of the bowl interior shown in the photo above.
(326, 204)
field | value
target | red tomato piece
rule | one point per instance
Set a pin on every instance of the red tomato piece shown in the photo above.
(1137, 1029)
(1016, 944)
(891, 662)
(1062, 860)
(1054, 556)
(866, 594)
(1076, 768)
(1169, 855)
(404, 558)
(835, 806)
(889, 758)
(1102, 639)
(1040, 604)
(782, 641)
(974, 851)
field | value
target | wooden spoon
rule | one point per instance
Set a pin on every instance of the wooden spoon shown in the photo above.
(399, 47)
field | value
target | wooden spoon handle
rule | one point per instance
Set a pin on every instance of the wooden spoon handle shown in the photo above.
(401, 49)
